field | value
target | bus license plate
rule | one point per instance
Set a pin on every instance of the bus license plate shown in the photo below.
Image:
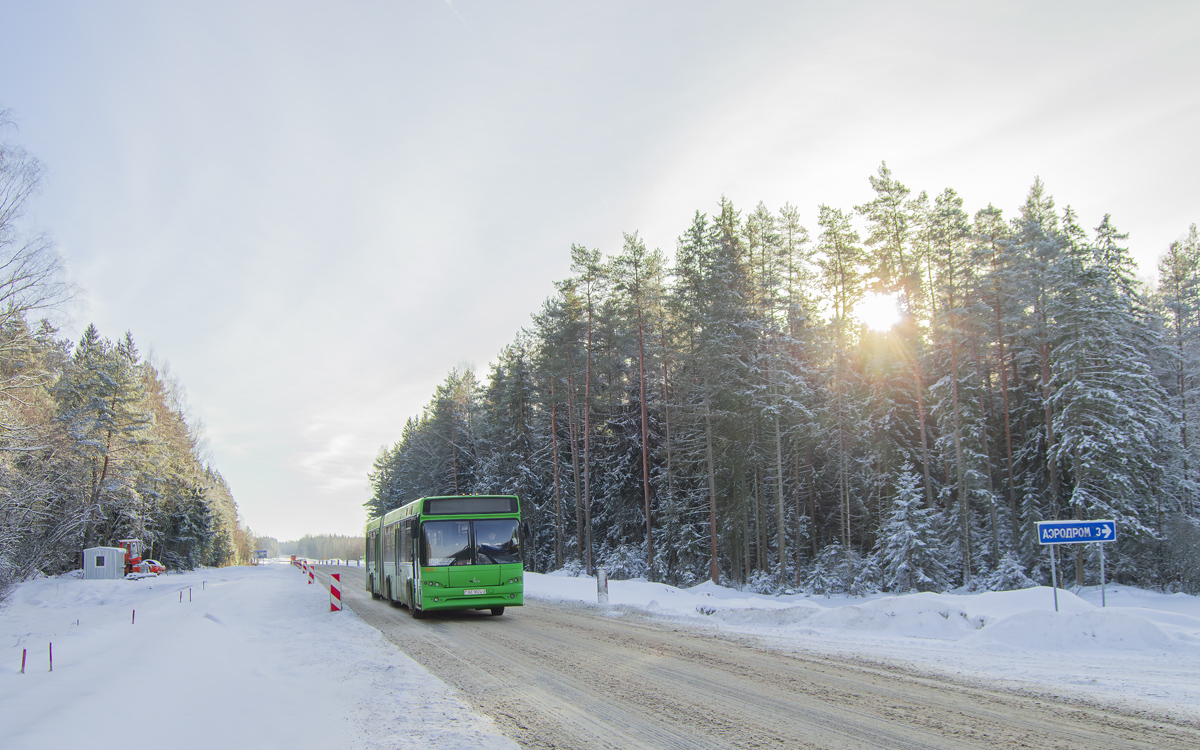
(468, 592)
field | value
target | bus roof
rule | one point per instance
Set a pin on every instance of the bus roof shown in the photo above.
(420, 506)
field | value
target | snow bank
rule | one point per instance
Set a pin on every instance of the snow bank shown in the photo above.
(1142, 647)
(1084, 633)
(254, 659)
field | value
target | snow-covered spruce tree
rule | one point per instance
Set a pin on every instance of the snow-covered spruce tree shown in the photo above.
(797, 373)
(1009, 575)
(767, 368)
(893, 221)
(1181, 568)
(864, 574)
(1036, 248)
(436, 454)
(452, 423)
(558, 330)
(1178, 303)
(189, 536)
(823, 577)
(1110, 411)
(996, 311)
(709, 301)
(506, 446)
(591, 282)
(841, 264)
(639, 278)
(957, 392)
(681, 542)
(907, 553)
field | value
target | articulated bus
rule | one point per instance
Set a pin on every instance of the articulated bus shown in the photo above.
(455, 552)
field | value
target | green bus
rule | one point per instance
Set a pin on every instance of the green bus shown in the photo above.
(451, 552)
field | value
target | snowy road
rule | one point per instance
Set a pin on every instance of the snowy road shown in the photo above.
(561, 675)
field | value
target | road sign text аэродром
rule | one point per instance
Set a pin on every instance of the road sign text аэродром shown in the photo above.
(1074, 532)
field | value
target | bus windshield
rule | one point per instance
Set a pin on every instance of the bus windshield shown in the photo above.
(497, 541)
(479, 542)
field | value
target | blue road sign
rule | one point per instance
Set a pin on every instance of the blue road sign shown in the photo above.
(1076, 532)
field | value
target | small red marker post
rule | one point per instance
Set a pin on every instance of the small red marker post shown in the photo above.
(22, 661)
(133, 617)
(335, 592)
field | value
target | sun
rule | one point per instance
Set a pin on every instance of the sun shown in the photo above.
(879, 312)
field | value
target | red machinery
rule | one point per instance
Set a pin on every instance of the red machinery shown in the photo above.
(133, 553)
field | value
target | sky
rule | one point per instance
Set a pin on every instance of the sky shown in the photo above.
(310, 212)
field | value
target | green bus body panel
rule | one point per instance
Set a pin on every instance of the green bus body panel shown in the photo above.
(448, 583)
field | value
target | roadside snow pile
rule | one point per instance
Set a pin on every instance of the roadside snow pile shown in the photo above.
(1143, 646)
(235, 657)
(1075, 631)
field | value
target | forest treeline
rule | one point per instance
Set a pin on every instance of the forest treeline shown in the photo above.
(94, 442)
(318, 547)
(731, 416)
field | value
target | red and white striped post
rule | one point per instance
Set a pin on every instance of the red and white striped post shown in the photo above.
(335, 592)
(310, 573)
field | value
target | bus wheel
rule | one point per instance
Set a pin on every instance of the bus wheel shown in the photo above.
(417, 612)
(497, 611)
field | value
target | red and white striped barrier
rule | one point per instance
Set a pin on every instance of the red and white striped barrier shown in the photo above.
(335, 592)
(310, 573)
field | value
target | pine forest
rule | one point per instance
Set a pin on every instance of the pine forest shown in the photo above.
(734, 414)
(95, 444)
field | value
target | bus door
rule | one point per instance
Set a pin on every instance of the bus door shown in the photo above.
(418, 542)
(390, 590)
(377, 555)
(369, 561)
(404, 566)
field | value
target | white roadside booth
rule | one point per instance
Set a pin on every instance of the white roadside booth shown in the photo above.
(104, 562)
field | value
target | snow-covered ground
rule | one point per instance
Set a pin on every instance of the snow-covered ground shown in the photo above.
(1141, 650)
(254, 659)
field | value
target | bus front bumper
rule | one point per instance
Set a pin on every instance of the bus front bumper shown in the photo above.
(441, 597)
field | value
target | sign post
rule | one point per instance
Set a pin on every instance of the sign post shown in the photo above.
(1076, 532)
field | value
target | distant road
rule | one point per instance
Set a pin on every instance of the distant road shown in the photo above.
(562, 675)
